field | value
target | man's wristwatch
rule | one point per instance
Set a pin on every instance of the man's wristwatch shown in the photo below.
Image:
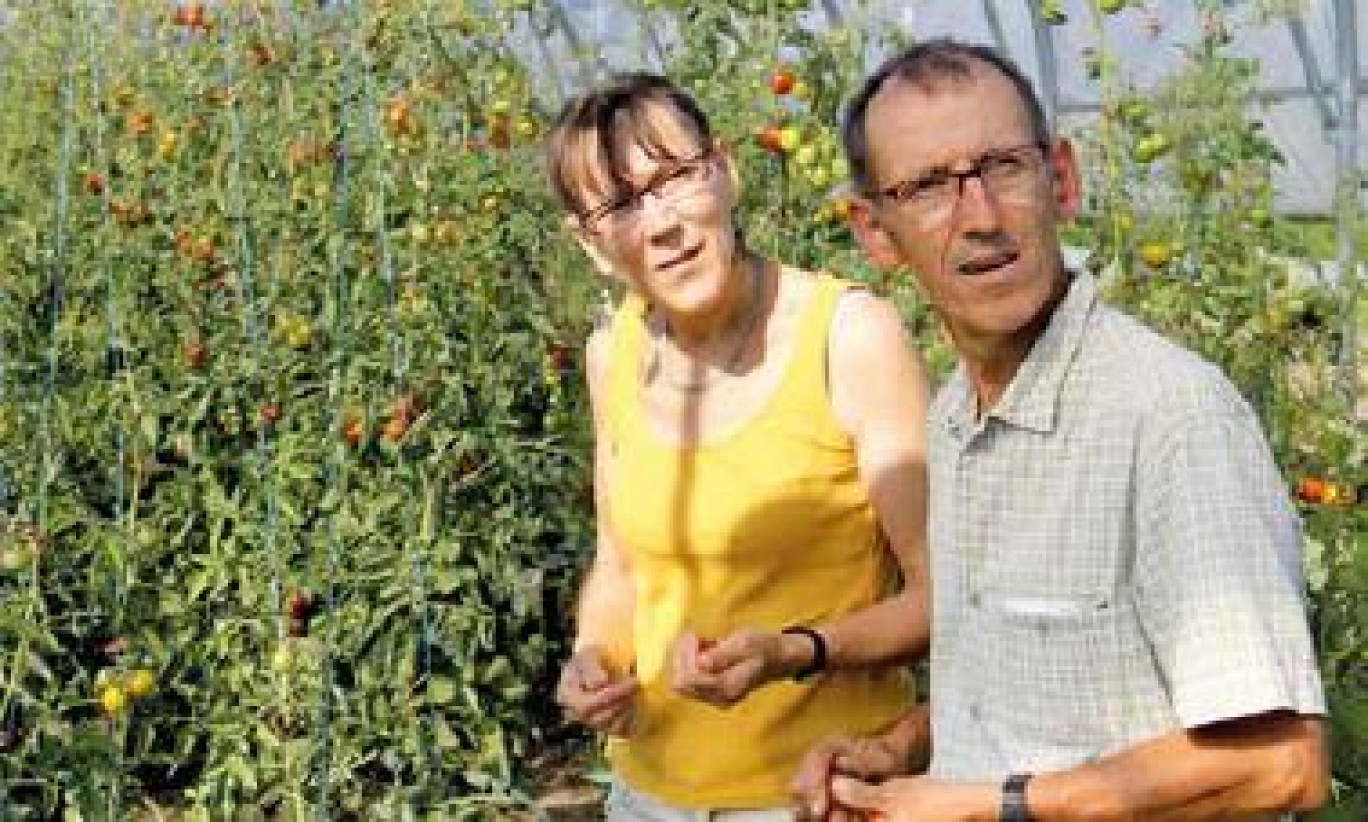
(1014, 799)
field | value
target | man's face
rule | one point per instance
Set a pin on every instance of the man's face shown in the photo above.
(983, 248)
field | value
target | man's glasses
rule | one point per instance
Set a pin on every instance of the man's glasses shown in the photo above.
(676, 182)
(1006, 173)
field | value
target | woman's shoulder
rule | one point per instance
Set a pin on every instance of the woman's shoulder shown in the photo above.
(849, 296)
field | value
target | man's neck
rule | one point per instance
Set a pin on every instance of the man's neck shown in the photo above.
(991, 369)
(991, 363)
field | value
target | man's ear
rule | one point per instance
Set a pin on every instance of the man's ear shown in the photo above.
(1066, 191)
(586, 241)
(878, 245)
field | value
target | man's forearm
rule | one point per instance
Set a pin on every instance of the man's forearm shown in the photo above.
(1253, 768)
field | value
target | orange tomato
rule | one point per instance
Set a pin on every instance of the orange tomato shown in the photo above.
(782, 81)
(1312, 490)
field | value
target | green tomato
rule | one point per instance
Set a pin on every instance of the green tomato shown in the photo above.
(1150, 147)
(1052, 14)
(1133, 110)
(13, 559)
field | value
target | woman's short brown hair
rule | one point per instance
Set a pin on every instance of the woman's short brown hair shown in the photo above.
(596, 129)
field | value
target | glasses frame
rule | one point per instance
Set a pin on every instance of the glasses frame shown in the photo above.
(592, 219)
(898, 194)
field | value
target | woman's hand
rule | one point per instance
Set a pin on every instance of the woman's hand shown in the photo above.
(724, 671)
(592, 694)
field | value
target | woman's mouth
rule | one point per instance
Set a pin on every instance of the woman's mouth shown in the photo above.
(679, 259)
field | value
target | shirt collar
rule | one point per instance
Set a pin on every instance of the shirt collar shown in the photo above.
(1032, 398)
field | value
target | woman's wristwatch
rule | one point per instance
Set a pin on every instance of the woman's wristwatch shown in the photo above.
(819, 651)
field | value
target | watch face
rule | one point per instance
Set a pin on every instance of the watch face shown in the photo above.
(1014, 798)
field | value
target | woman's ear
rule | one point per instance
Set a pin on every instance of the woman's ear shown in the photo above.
(591, 248)
(729, 167)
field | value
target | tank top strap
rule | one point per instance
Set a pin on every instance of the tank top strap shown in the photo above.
(806, 391)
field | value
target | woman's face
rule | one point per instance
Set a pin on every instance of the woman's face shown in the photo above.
(669, 232)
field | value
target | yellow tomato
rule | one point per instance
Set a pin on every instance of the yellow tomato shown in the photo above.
(167, 145)
(112, 699)
(299, 334)
(1156, 253)
(140, 683)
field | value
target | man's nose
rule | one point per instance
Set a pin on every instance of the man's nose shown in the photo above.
(977, 209)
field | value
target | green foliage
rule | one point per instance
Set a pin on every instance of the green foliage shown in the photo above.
(294, 477)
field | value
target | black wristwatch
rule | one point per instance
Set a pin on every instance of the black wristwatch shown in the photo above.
(819, 652)
(1014, 799)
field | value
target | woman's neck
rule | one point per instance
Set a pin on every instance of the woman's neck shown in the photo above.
(709, 333)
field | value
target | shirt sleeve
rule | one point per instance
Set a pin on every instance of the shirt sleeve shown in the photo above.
(1218, 568)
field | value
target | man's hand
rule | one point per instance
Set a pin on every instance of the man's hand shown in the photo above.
(869, 758)
(590, 693)
(915, 799)
(721, 673)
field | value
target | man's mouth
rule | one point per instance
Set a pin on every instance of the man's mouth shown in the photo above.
(987, 263)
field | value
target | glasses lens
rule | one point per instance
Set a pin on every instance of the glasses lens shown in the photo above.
(677, 184)
(1009, 173)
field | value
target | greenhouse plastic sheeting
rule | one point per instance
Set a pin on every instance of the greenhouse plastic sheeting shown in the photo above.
(1146, 39)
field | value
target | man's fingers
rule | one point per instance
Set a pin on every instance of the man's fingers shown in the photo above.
(853, 793)
(816, 765)
(809, 786)
(866, 759)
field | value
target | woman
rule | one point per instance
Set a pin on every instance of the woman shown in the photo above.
(759, 477)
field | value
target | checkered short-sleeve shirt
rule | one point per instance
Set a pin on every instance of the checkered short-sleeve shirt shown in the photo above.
(1113, 555)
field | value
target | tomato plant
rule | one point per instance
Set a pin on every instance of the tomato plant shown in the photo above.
(293, 483)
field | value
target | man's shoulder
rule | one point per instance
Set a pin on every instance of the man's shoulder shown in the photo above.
(1148, 372)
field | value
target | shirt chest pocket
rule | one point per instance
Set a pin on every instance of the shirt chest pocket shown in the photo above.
(1068, 668)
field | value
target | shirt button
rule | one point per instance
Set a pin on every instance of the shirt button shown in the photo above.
(974, 600)
(975, 712)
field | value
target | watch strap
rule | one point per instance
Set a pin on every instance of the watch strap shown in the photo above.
(819, 651)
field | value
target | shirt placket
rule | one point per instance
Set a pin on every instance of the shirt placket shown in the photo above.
(971, 557)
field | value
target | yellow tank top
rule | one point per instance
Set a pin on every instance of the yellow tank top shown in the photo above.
(765, 527)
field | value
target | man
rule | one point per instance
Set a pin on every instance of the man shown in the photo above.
(1118, 630)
